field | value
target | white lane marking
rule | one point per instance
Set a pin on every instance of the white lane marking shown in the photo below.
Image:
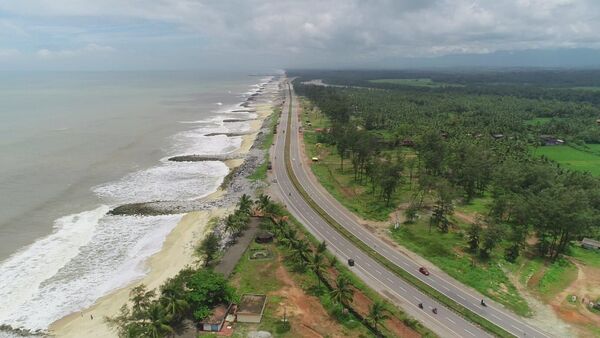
(516, 328)
(379, 272)
(389, 279)
(461, 297)
(403, 289)
(450, 320)
(471, 333)
(493, 315)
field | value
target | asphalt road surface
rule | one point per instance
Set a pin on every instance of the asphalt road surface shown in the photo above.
(445, 323)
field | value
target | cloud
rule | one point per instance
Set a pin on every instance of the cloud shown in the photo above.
(312, 30)
(8, 53)
(91, 48)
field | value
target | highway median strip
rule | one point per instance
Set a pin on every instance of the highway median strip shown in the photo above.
(428, 290)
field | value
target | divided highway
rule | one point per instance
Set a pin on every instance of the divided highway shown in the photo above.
(446, 323)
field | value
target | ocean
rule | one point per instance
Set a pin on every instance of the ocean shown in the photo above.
(75, 144)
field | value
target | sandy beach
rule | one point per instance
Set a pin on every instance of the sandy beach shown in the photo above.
(176, 253)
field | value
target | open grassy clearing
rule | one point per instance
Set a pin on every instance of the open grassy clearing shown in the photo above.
(479, 205)
(538, 121)
(448, 252)
(572, 158)
(416, 82)
(556, 278)
(588, 257)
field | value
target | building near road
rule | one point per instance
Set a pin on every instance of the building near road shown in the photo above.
(251, 308)
(215, 322)
(590, 244)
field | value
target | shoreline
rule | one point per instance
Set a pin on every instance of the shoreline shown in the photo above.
(177, 251)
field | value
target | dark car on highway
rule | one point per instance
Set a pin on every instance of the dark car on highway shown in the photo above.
(424, 271)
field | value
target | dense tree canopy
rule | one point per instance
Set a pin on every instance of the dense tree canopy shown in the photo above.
(472, 133)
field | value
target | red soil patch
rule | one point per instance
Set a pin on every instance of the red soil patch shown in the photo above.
(362, 305)
(307, 315)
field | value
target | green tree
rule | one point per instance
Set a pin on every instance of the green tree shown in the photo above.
(377, 315)
(322, 247)
(209, 248)
(342, 293)
(157, 324)
(491, 237)
(473, 236)
(206, 289)
(172, 298)
(264, 204)
(443, 207)
(245, 204)
(317, 264)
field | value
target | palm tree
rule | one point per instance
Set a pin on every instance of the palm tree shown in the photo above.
(302, 249)
(321, 247)
(157, 324)
(318, 266)
(245, 204)
(342, 293)
(376, 315)
(264, 204)
(173, 301)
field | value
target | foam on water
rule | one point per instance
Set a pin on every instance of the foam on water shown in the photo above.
(113, 255)
(22, 275)
(169, 181)
(197, 143)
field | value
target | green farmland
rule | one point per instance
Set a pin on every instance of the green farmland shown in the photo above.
(415, 82)
(575, 159)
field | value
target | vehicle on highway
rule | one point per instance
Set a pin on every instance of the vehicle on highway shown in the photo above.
(434, 310)
(420, 305)
(350, 261)
(424, 271)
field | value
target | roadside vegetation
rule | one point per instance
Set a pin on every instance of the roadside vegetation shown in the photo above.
(260, 174)
(344, 297)
(462, 167)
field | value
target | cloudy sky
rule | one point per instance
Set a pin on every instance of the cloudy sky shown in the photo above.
(181, 34)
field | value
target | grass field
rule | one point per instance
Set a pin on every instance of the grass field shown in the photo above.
(416, 82)
(593, 89)
(479, 205)
(557, 277)
(538, 121)
(588, 257)
(446, 251)
(572, 158)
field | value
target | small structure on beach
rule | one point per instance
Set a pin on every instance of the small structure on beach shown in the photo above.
(215, 322)
(263, 237)
(590, 244)
(251, 308)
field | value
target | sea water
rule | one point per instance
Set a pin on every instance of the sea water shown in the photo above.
(75, 144)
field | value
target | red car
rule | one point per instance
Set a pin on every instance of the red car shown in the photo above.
(424, 271)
